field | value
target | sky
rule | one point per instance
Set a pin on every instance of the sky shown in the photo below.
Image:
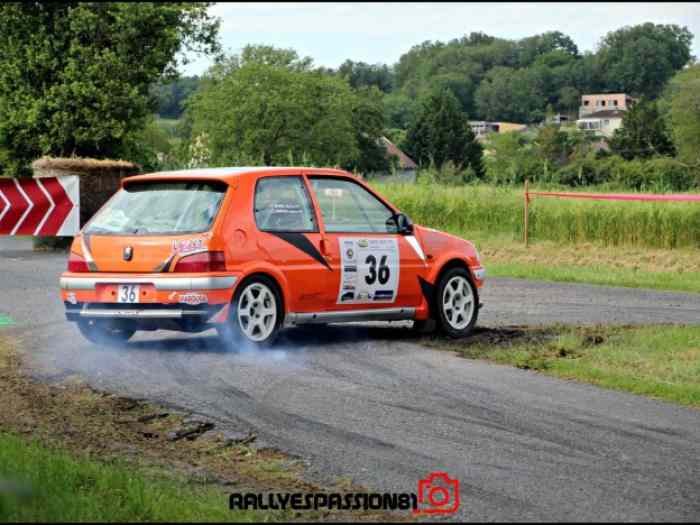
(330, 33)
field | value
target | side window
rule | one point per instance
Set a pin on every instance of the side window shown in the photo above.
(283, 205)
(348, 207)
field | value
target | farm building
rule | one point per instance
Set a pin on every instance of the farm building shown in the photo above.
(404, 166)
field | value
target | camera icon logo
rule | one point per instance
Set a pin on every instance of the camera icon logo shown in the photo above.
(438, 494)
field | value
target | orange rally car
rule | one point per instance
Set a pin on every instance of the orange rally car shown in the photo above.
(250, 250)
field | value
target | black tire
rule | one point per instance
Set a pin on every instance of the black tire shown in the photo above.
(459, 320)
(103, 332)
(238, 329)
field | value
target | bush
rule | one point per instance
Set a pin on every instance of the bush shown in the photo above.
(581, 172)
(656, 175)
(512, 159)
(448, 174)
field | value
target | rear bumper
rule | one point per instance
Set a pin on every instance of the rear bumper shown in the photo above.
(171, 300)
(98, 311)
(159, 283)
(144, 312)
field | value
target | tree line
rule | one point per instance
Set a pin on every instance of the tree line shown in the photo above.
(85, 78)
(513, 80)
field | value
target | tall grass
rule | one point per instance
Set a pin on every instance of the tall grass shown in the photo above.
(486, 211)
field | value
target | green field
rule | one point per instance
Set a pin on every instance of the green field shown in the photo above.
(486, 211)
(40, 484)
(656, 361)
(634, 244)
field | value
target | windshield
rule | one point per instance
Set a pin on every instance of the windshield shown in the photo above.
(159, 208)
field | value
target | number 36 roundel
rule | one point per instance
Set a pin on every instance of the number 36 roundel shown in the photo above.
(370, 270)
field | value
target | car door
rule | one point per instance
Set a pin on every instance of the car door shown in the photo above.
(372, 266)
(290, 238)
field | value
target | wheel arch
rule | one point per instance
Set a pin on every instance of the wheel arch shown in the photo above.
(447, 265)
(262, 273)
(439, 270)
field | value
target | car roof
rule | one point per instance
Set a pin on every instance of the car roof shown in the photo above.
(228, 175)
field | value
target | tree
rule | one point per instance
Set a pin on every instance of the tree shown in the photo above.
(75, 77)
(553, 144)
(260, 54)
(569, 99)
(262, 113)
(171, 95)
(516, 95)
(532, 48)
(360, 74)
(643, 133)
(274, 56)
(441, 133)
(368, 122)
(640, 59)
(682, 103)
(512, 159)
(399, 110)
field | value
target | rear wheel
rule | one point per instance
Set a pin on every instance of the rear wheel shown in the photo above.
(256, 313)
(105, 332)
(457, 303)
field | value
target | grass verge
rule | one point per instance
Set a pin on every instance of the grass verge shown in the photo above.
(62, 487)
(677, 270)
(660, 361)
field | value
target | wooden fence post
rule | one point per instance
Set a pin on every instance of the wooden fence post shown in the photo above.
(526, 215)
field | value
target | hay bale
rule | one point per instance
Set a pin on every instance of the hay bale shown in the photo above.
(81, 166)
(99, 180)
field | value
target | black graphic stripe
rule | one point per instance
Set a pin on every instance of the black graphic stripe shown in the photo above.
(428, 291)
(301, 242)
(165, 265)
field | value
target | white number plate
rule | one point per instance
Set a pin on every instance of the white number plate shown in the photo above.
(128, 293)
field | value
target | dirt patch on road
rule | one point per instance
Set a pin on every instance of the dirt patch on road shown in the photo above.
(72, 415)
(494, 338)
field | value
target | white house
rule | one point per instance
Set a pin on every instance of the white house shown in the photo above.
(601, 123)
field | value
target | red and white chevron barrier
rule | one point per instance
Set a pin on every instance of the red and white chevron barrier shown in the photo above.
(47, 206)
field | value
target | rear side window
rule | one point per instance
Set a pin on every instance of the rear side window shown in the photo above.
(282, 204)
(348, 207)
(160, 208)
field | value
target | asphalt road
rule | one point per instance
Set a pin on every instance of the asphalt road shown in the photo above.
(370, 404)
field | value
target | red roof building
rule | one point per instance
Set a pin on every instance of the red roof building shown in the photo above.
(405, 162)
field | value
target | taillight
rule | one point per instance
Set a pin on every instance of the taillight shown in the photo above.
(202, 262)
(77, 264)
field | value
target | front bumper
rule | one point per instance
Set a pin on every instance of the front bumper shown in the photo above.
(479, 275)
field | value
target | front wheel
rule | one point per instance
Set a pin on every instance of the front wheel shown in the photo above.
(457, 303)
(256, 313)
(105, 332)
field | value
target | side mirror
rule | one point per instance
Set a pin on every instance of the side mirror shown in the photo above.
(404, 225)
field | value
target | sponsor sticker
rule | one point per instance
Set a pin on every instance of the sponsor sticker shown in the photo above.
(333, 193)
(193, 298)
(187, 245)
(71, 298)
